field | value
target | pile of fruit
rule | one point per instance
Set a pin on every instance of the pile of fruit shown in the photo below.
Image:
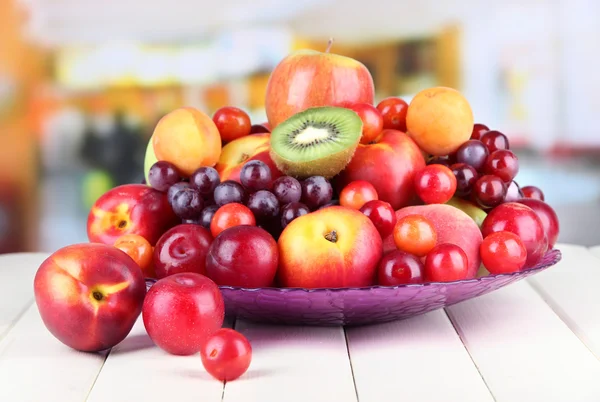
(334, 191)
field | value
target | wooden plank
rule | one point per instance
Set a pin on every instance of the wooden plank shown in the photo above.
(571, 289)
(35, 366)
(595, 251)
(16, 286)
(523, 350)
(137, 370)
(418, 359)
(294, 364)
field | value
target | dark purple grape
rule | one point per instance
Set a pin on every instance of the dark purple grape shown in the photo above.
(439, 160)
(188, 204)
(489, 191)
(316, 191)
(263, 204)
(205, 180)
(207, 215)
(256, 175)
(472, 152)
(495, 140)
(330, 204)
(466, 176)
(287, 189)
(162, 175)
(513, 192)
(229, 191)
(174, 189)
(291, 211)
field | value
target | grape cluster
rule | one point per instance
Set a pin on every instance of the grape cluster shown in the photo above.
(485, 168)
(274, 203)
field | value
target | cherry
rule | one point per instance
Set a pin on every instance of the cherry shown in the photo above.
(503, 253)
(226, 355)
(382, 215)
(502, 163)
(357, 193)
(445, 263)
(415, 234)
(393, 111)
(139, 249)
(399, 268)
(229, 215)
(435, 184)
(372, 121)
(232, 123)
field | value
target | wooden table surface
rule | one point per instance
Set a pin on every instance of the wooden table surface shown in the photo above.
(535, 340)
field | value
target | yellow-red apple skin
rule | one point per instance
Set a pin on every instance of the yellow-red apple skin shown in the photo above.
(309, 260)
(307, 78)
(64, 286)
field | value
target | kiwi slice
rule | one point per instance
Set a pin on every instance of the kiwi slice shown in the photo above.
(319, 141)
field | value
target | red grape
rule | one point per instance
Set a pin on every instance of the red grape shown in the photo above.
(473, 153)
(292, 211)
(533, 192)
(445, 263)
(513, 192)
(466, 176)
(263, 204)
(162, 175)
(393, 110)
(372, 121)
(382, 215)
(502, 163)
(205, 180)
(187, 204)
(435, 184)
(256, 175)
(399, 268)
(495, 140)
(415, 234)
(232, 123)
(207, 215)
(489, 191)
(259, 128)
(226, 355)
(503, 253)
(439, 160)
(357, 193)
(316, 191)
(478, 131)
(229, 215)
(174, 189)
(287, 189)
(229, 191)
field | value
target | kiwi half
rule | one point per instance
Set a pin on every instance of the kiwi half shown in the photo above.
(319, 141)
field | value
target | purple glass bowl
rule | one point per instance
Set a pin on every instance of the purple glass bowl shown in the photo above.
(361, 306)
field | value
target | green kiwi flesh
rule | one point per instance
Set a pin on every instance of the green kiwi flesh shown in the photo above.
(319, 141)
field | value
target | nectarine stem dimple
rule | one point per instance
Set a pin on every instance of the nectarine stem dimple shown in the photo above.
(97, 295)
(329, 44)
(332, 236)
(122, 224)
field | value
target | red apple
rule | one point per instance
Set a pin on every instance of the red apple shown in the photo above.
(245, 256)
(182, 248)
(452, 226)
(548, 217)
(181, 311)
(522, 221)
(130, 209)
(308, 78)
(389, 164)
(89, 295)
(238, 152)
(329, 248)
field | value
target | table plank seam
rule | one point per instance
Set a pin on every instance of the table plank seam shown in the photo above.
(17, 319)
(350, 361)
(562, 315)
(460, 336)
(87, 397)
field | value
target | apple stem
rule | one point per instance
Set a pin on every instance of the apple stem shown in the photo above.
(332, 236)
(329, 44)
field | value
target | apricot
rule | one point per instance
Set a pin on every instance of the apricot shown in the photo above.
(187, 138)
(439, 119)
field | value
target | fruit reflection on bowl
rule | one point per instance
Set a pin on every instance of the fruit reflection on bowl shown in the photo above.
(363, 305)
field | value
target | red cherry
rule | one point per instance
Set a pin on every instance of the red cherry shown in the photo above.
(393, 111)
(478, 131)
(533, 192)
(382, 215)
(503, 253)
(372, 121)
(232, 123)
(229, 215)
(399, 268)
(357, 193)
(226, 355)
(445, 263)
(435, 184)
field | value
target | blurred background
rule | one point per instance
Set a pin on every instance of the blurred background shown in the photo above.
(83, 82)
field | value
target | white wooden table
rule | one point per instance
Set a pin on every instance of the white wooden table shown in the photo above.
(536, 340)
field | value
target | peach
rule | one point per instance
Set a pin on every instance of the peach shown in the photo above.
(187, 138)
(439, 119)
(236, 153)
(329, 248)
(452, 226)
(89, 295)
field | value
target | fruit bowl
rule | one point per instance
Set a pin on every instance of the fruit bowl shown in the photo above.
(366, 305)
